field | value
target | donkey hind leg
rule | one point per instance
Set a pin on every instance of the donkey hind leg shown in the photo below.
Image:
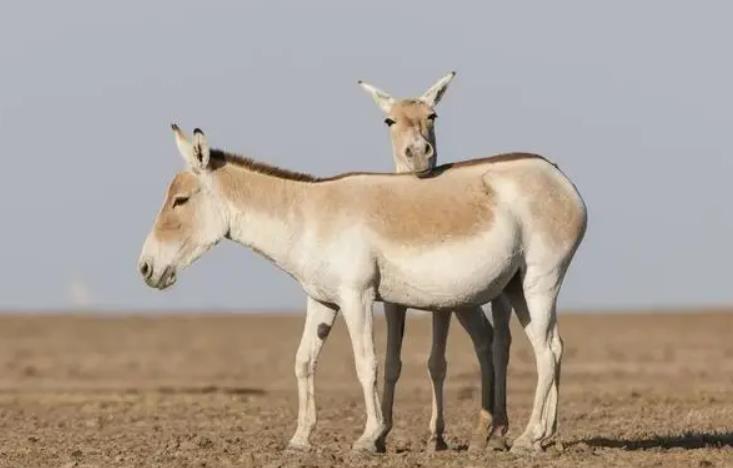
(395, 317)
(501, 310)
(481, 333)
(356, 308)
(550, 414)
(437, 367)
(318, 321)
(535, 306)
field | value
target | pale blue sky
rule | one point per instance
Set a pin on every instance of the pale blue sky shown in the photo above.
(632, 99)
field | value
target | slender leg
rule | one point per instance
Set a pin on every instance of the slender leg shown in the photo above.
(318, 321)
(395, 316)
(437, 366)
(535, 308)
(481, 333)
(356, 308)
(550, 414)
(501, 310)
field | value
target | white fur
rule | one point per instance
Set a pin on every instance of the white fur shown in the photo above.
(382, 98)
(432, 96)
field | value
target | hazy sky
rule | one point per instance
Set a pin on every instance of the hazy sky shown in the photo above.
(632, 99)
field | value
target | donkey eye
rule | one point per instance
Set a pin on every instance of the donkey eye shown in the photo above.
(389, 122)
(180, 200)
(433, 116)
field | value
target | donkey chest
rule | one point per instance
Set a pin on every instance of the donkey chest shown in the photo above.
(327, 270)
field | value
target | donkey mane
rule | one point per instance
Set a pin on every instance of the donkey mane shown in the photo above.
(220, 158)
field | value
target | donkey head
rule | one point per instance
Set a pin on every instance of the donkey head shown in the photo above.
(192, 218)
(411, 126)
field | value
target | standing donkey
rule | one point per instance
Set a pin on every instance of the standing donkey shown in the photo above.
(451, 241)
(411, 125)
(411, 128)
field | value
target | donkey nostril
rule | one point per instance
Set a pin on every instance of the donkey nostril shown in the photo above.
(145, 269)
(408, 152)
(428, 149)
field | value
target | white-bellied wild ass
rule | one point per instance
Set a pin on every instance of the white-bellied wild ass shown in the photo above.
(414, 149)
(452, 241)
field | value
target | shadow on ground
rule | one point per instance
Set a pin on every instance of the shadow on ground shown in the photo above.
(691, 440)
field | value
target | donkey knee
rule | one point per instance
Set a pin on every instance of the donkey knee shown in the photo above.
(303, 368)
(366, 372)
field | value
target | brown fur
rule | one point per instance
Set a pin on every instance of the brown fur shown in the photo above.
(262, 187)
(398, 207)
(404, 209)
(411, 118)
(555, 211)
(221, 158)
(419, 217)
(410, 112)
(171, 221)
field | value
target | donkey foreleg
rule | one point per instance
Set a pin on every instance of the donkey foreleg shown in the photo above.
(395, 317)
(318, 321)
(481, 333)
(356, 307)
(437, 367)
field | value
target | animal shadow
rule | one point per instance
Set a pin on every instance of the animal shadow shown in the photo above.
(688, 441)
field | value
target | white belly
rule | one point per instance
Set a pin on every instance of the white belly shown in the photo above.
(458, 272)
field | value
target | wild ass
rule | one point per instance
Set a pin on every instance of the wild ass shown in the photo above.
(452, 241)
(411, 125)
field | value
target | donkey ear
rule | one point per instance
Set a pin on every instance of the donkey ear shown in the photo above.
(196, 153)
(433, 95)
(383, 99)
(201, 148)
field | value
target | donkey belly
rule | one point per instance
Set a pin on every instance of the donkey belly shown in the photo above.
(456, 273)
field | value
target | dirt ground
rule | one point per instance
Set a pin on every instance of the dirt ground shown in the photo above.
(219, 390)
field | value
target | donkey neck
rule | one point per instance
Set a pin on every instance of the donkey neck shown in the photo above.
(264, 211)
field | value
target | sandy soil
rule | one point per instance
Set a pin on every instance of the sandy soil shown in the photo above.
(637, 390)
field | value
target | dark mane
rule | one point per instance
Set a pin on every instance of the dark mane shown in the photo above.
(506, 157)
(220, 158)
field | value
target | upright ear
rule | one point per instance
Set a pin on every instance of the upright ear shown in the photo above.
(196, 153)
(383, 100)
(433, 95)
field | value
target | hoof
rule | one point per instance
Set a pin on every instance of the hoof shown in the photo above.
(367, 446)
(477, 444)
(436, 444)
(298, 446)
(498, 443)
(523, 446)
(554, 446)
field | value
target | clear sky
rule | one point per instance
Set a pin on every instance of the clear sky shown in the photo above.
(632, 99)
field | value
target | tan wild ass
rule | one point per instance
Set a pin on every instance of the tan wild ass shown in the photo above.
(412, 133)
(453, 241)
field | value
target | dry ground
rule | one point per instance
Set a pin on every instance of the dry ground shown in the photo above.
(637, 390)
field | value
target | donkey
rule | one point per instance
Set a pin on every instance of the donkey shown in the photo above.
(451, 241)
(411, 127)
